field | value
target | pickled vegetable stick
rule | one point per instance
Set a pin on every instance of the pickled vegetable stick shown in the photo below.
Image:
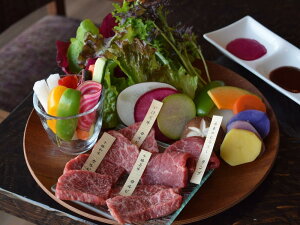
(52, 80)
(42, 92)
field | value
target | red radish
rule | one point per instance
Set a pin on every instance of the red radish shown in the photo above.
(143, 103)
(128, 97)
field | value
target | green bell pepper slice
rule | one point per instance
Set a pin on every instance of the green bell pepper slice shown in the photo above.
(203, 102)
(68, 105)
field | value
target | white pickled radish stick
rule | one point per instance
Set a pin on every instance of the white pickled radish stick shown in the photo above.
(52, 80)
(42, 92)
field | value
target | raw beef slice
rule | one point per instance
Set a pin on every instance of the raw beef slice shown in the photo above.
(122, 153)
(149, 144)
(148, 190)
(84, 186)
(131, 209)
(168, 169)
(194, 145)
(105, 167)
(144, 190)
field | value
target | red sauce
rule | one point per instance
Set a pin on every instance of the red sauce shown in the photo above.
(287, 77)
(246, 49)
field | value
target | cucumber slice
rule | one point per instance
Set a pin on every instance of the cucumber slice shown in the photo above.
(203, 102)
(99, 69)
(177, 110)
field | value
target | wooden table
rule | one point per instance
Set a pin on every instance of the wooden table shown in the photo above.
(3, 115)
(275, 201)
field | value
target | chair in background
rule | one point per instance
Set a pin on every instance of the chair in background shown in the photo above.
(31, 55)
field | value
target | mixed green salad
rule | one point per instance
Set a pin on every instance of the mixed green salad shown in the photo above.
(135, 44)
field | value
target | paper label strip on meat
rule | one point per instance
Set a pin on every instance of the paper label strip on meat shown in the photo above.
(144, 156)
(136, 173)
(207, 149)
(147, 123)
(98, 153)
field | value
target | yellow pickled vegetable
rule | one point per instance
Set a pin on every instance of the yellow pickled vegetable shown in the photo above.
(53, 100)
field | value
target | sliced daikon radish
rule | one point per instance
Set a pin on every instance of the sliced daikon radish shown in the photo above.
(226, 113)
(52, 80)
(128, 97)
(42, 92)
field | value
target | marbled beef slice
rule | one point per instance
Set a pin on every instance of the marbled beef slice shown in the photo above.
(168, 169)
(122, 153)
(105, 167)
(193, 145)
(150, 144)
(130, 209)
(84, 186)
(143, 190)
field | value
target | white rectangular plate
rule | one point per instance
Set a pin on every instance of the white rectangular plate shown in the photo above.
(279, 51)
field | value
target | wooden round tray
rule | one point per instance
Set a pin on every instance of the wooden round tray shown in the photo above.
(226, 187)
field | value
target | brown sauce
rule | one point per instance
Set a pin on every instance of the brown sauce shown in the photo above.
(246, 49)
(287, 77)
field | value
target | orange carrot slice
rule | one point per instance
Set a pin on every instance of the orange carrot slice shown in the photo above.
(91, 68)
(225, 96)
(82, 134)
(246, 102)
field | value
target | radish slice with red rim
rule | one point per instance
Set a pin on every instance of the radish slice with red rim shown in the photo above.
(91, 92)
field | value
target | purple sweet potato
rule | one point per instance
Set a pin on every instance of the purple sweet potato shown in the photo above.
(259, 120)
(243, 125)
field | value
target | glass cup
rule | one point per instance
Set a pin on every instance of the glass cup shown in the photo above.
(74, 146)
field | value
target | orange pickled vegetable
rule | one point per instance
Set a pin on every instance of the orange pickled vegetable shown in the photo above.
(246, 102)
(82, 134)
